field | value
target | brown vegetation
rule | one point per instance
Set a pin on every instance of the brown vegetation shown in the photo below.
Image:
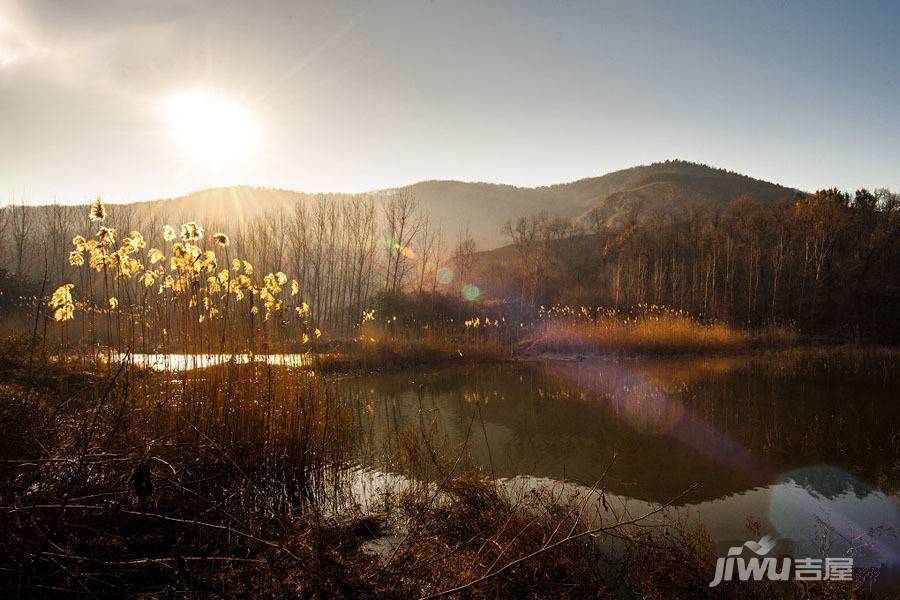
(648, 330)
(231, 481)
(407, 353)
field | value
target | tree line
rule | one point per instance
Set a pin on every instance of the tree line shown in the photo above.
(343, 251)
(828, 262)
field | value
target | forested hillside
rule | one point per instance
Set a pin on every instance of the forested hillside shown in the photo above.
(717, 244)
(826, 262)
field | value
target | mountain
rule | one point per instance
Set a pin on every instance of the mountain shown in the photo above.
(484, 208)
(672, 184)
(609, 197)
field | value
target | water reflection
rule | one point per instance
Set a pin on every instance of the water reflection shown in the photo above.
(852, 517)
(745, 429)
(185, 362)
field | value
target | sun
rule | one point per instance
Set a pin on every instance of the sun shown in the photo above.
(210, 128)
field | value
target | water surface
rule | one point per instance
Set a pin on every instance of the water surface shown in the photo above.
(187, 362)
(803, 442)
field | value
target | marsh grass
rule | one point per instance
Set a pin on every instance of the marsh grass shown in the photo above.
(650, 330)
(228, 480)
(559, 331)
(414, 352)
(113, 480)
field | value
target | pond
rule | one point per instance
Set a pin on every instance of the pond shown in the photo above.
(187, 362)
(803, 442)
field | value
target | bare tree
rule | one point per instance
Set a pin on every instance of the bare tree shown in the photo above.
(403, 222)
(21, 230)
(426, 252)
(464, 256)
(5, 218)
(528, 238)
(55, 229)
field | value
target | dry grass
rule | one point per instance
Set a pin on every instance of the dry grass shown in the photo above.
(247, 496)
(131, 479)
(476, 536)
(388, 354)
(560, 331)
(645, 330)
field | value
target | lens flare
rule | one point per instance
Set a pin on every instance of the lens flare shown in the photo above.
(444, 275)
(470, 292)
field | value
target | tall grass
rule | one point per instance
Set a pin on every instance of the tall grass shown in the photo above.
(409, 351)
(646, 329)
(231, 480)
(128, 472)
(187, 295)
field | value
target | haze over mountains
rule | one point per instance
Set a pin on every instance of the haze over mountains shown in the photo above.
(485, 207)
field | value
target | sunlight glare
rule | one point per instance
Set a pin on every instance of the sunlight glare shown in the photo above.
(210, 128)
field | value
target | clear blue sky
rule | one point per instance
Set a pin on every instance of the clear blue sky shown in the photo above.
(350, 96)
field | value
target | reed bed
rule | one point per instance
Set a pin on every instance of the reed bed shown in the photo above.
(234, 479)
(646, 329)
(187, 294)
(395, 353)
(133, 479)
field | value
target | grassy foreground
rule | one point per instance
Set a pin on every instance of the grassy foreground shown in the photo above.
(235, 479)
(229, 482)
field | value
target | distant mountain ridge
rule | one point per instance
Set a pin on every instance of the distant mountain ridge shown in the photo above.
(483, 208)
(660, 185)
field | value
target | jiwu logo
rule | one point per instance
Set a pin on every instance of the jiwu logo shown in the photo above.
(768, 558)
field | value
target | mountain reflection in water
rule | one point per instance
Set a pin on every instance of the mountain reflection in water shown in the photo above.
(803, 441)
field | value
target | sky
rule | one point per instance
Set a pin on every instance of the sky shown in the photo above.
(139, 100)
